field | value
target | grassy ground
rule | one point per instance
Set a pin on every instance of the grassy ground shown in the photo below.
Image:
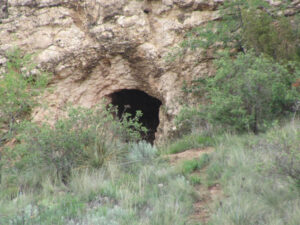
(259, 177)
(143, 191)
(187, 142)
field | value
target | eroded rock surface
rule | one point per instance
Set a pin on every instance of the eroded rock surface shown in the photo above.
(96, 47)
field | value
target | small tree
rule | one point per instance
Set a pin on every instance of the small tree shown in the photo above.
(250, 91)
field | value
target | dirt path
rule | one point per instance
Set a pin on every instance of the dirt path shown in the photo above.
(204, 203)
(206, 196)
(188, 155)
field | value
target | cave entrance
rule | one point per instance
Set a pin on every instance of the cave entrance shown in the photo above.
(131, 100)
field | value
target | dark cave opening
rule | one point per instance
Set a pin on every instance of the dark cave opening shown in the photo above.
(131, 100)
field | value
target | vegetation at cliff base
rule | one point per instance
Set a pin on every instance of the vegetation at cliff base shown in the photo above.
(249, 92)
(90, 167)
(256, 50)
(20, 85)
(250, 110)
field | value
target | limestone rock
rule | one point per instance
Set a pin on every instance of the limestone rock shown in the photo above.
(184, 3)
(3, 9)
(97, 47)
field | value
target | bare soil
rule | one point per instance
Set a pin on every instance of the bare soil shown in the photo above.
(188, 155)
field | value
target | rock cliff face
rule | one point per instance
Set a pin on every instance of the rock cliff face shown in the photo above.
(95, 48)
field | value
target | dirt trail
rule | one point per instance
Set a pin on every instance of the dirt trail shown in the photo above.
(188, 155)
(206, 196)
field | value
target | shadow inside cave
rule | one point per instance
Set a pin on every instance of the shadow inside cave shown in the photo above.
(131, 100)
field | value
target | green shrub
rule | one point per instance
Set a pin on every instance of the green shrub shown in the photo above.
(189, 166)
(86, 139)
(250, 89)
(19, 87)
(250, 24)
(190, 119)
(142, 152)
(250, 92)
(278, 38)
(195, 179)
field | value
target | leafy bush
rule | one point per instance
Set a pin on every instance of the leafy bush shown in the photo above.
(86, 139)
(19, 87)
(142, 152)
(190, 119)
(250, 88)
(278, 38)
(249, 92)
(246, 25)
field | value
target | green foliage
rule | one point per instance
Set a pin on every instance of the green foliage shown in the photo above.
(250, 24)
(249, 92)
(19, 87)
(132, 123)
(66, 207)
(278, 38)
(86, 139)
(195, 179)
(190, 119)
(190, 166)
(253, 88)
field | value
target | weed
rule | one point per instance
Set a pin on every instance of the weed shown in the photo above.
(195, 179)
(203, 161)
(189, 166)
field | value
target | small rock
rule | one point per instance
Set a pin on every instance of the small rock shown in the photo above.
(167, 2)
(2, 60)
(184, 3)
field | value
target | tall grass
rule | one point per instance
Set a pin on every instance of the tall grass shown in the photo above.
(140, 189)
(87, 138)
(258, 176)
